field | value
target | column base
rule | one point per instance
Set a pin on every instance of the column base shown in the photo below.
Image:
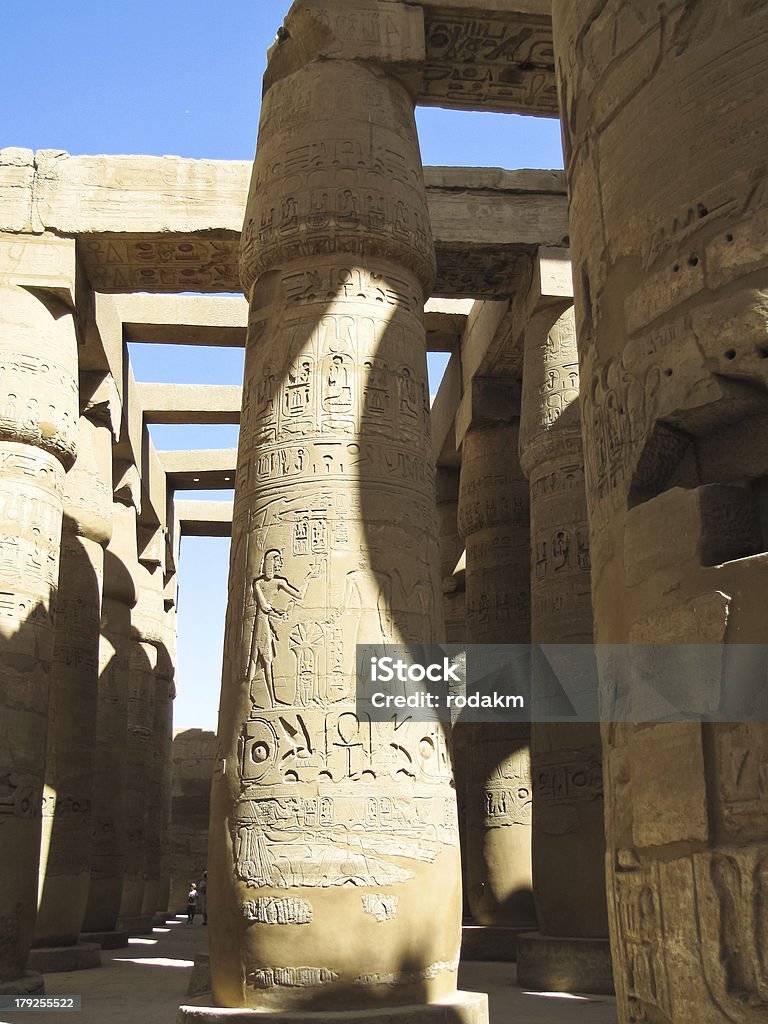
(564, 965)
(491, 942)
(107, 940)
(200, 978)
(160, 919)
(29, 984)
(140, 925)
(55, 959)
(460, 1008)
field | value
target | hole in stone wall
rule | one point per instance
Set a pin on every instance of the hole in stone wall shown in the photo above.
(693, 261)
(730, 353)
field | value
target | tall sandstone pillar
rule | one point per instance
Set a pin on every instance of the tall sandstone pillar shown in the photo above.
(167, 695)
(108, 844)
(38, 433)
(333, 858)
(494, 522)
(665, 114)
(146, 637)
(65, 860)
(571, 951)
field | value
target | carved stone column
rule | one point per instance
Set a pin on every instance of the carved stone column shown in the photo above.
(665, 111)
(159, 743)
(110, 771)
(147, 636)
(451, 549)
(65, 861)
(167, 657)
(494, 522)
(322, 893)
(38, 432)
(571, 951)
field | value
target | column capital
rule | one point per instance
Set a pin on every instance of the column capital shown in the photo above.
(388, 34)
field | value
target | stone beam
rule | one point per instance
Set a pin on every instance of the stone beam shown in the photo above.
(204, 469)
(166, 224)
(219, 320)
(489, 56)
(190, 403)
(203, 518)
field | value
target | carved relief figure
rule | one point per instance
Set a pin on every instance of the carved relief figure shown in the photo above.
(267, 588)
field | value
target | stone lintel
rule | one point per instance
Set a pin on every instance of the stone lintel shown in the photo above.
(459, 1008)
(17, 176)
(169, 224)
(126, 483)
(489, 56)
(443, 415)
(488, 401)
(183, 319)
(190, 403)
(204, 469)
(100, 399)
(203, 518)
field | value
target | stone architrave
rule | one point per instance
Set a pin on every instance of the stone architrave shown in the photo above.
(334, 877)
(146, 637)
(494, 522)
(38, 435)
(108, 842)
(665, 116)
(65, 860)
(568, 840)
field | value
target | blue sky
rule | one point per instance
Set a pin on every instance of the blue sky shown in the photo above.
(167, 77)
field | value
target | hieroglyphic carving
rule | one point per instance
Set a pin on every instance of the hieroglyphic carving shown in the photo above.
(270, 910)
(161, 263)
(494, 62)
(380, 905)
(333, 546)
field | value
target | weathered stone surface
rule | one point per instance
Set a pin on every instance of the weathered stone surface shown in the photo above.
(204, 518)
(67, 823)
(667, 182)
(333, 545)
(38, 434)
(190, 403)
(206, 468)
(494, 522)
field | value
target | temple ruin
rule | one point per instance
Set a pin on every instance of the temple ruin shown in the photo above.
(592, 471)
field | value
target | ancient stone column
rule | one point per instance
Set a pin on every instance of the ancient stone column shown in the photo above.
(494, 522)
(570, 952)
(324, 892)
(38, 432)
(167, 657)
(65, 860)
(451, 549)
(665, 114)
(159, 748)
(108, 843)
(193, 755)
(147, 636)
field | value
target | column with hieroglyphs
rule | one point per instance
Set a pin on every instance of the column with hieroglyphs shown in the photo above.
(665, 129)
(65, 860)
(570, 952)
(38, 436)
(494, 522)
(108, 841)
(166, 676)
(334, 870)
